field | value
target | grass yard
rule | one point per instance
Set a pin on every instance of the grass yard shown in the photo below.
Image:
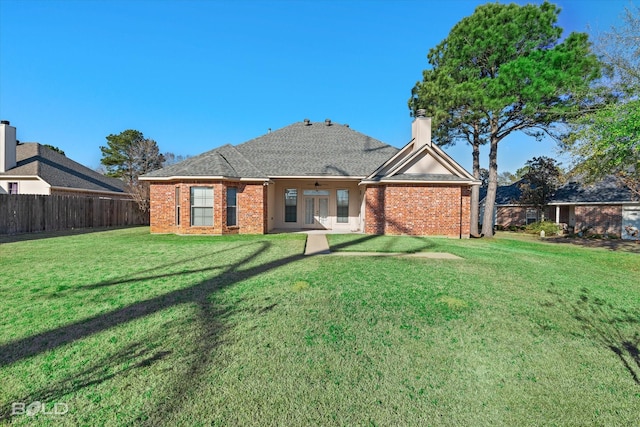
(126, 328)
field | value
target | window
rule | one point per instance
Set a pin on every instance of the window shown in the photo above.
(13, 188)
(532, 215)
(177, 205)
(232, 208)
(342, 205)
(290, 205)
(315, 192)
(201, 206)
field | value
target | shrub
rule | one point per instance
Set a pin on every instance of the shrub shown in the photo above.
(549, 227)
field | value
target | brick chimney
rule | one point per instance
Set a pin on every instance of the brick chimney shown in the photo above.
(421, 130)
(7, 146)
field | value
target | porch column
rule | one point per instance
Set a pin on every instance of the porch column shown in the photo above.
(557, 214)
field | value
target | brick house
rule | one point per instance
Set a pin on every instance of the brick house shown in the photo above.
(508, 210)
(315, 175)
(32, 168)
(606, 207)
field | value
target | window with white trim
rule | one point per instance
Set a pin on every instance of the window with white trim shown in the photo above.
(290, 205)
(232, 208)
(177, 205)
(201, 206)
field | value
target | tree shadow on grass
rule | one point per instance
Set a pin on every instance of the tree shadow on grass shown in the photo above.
(424, 244)
(606, 325)
(390, 244)
(144, 275)
(210, 319)
(36, 344)
(133, 356)
(38, 235)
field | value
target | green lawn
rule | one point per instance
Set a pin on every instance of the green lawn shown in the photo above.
(128, 328)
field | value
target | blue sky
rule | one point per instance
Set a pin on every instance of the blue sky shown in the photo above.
(197, 74)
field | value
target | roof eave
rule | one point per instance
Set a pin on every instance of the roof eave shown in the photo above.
(393, 158)
(616, 202)
(417, 181)
(332, 177)
(86, 190)
(5, 177)
(198, 177)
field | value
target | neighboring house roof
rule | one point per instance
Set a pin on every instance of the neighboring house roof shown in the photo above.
(57, 170)
(609, 190)
(505, 194)
(298, 150)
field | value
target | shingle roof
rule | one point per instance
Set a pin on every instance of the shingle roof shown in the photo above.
(609, 190)
(505, 194)
(58, 170)
(316, 149)
(211, 163)
(300, 149)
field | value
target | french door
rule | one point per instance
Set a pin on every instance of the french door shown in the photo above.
(316, 212)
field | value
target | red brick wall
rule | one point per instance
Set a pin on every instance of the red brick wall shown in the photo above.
(418, 210)
(251, 208)
(162, 208)
(375, 210)
(599, 219)
(507, 216)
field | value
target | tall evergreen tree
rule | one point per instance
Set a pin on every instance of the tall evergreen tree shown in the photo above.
(128, 155)
(501, 70)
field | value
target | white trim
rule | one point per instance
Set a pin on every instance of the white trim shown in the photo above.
(452, 162)
(196, 178)
(415, 181)
(399, 153)
(322, 177)
(415, 155)
(434, 151)
(10, 177)
(626, 203)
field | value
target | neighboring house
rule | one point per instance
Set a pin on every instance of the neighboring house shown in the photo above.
(509, 211)
(31, 168)
(607, 207)
(315, 175)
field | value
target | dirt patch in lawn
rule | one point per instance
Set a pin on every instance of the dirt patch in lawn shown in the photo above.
(610, 244)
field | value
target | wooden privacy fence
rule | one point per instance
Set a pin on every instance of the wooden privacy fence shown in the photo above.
(26, 213)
